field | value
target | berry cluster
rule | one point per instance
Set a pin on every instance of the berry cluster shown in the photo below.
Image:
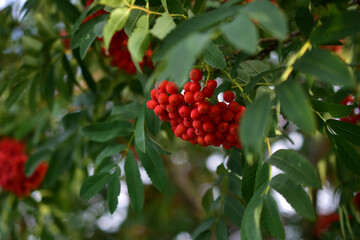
(193, 117)
(118, 50)
(354, 116)
(12, 163)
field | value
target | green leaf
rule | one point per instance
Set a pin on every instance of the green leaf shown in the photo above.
(249, 178)
(116, 22)
(15, 93)
(113, 191)
(234, 162)
(204, 235)
(295, 105)
(296, 167)
(154, 167)
(109, 151)
(255, 123)
(192, 26)
(294, 195)
(152, 122)
(127, 111)
(336, 110)
(85, 71)
(58, 164)
(163, 26)
(269, 17)
(102, 132)
(221, 230)
(69, 10)
(272, 218)
(205, 225)
(35, 159)
(262, 176)
(337, 26)
(199, 6)
(326, 66)
(234, 210)
(134, 183)
(139, 40)
(214, 57)
(348, 155)
(348, 131)
(93, 184)
(140, 131)
(241, 33)
(207, 200)
(112, 3)
(304, 20)
(164, 4)
(134, 16)
(235, 184)
(250, 225)
(87, 33)
(174, 6)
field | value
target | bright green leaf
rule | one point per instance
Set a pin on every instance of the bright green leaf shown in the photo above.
(326, 66)
(163, 25)
(139, 40)
(113, 191)
(348, 155)
(134, 183)
(241, 33)
(295, 105)
(214, 57)
(132, 20)
(93, 184)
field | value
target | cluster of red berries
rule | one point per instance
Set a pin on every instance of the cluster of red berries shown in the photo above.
(12, 165)
(354, 116)
(118, 50)
(193, 117)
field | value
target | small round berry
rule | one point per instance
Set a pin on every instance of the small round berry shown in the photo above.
(209, 138)
(217, 142)
(172, 88)
(185, 137)
(207, 92)
(162, 86)
(197, 124)
(203, 108)
(170, 108)
(357, 200)
(217, 120)
(195, 86)
(151, 104)
(179, 130)
(191, 132)
(238, 144)
(227, 145)
(200, 132)
(223, 127)
(229, 96)
(238, 116)
(212, 84)
(201, 140)
(175, 99)
(195, 114)
(233, 129)
(158, 92)
(234, 107)
(209, 127)
(206, 118)
(199, 96)
(164, 118)
(184, 111)
(195, 75)
(174, 115)
(153, 94)
(189, 97)
(173, 122)
(187, 122)
(214, 111)
(227, 116)
(220, 135)
(194, 141)
(163, 98)
(222, 106)
(159, 110)
(231, 138)
(187, 86)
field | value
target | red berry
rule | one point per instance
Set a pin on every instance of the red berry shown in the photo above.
(185, 137)
(203, 108)
(229, 96)
(201, 140)
(357, 200)
(217, 142)
(227, 116)
(207, 92)
(209, 138)
(187, 122)
(158, 92)
(227, 145)
(195, 86)
(199, 96)
(197, 124)
(222, 106)
(159, 110)
(194, 141)
(170, 108)
(191, 132)
(151, 104)
(214, 111)
(162, 86)
(200, 132)
(164, 118)
(238, 116)
(238, 144)
(223, 127)
(208, 127)
(163, 98)
(175, 99)
(179, 130)
(187, 86)
(195, 75)
(217, 120)
(206, 118)
(195, 114)
(153, 94)
(212, 84)
(220, 135)
(234, 107)
(233, 129)
(189, 97)
(173, 122)
(172, 88)
(174, 115)
(184, 111)
(231, 138)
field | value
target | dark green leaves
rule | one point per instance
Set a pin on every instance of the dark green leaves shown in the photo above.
(93, 184)
(102, 132)
(336, 110)
(304, 20)
(255, 123)
(269, 17)
(349, 157)
(336, 27)
(134, 183)
(326, 67)
(295, 105)
(348, 131)
(108, 151)
(214, 57)
(127, 111)
(271, 216)
(294, 195)
(296, 167)
(241, 33)
(113, 190)
(140, 131)
(234, 210)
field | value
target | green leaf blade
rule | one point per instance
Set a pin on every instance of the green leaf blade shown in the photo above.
(93, 185)
(134, 183)
(113, 190)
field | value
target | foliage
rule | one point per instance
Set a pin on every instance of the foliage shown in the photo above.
(75, 77)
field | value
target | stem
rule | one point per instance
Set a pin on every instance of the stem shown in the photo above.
(270, 166)
(238, 85)
(148, 11)
(292, 60)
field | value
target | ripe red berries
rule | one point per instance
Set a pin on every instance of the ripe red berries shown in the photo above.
(193, 117)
